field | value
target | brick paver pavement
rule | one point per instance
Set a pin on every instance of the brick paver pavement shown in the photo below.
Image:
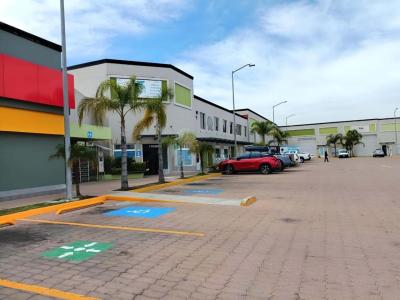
(320, 231)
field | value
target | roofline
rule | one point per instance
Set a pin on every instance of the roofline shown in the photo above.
(348, 121)
(241, 109)
(29, 36)
(128, 62)
(218, 106)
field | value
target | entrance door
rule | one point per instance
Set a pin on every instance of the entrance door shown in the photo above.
(150, 157)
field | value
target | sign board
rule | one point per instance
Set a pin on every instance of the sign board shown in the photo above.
(89, 134)
(77, 251)
(140, 211)
(150, 88)
(360, 128)
(138, 153)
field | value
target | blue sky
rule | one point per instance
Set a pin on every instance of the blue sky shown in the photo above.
(330, 59)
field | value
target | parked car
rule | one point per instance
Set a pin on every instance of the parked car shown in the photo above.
(378, 153)
(285, 161)
(343, 153)
(302, 155)
(250, 161)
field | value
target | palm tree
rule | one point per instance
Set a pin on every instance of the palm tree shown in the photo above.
(118, 99)
(203, 150)
(278, 136)
(78, 153)
(352, 138)
(262, 128)
(334, 139)
(155, 112)
(185, 139)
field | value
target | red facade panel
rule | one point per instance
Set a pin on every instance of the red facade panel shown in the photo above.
(1, 75)
(25, 81)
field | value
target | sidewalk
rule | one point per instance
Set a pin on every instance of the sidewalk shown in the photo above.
(88, 188)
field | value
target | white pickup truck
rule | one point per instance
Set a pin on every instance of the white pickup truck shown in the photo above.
(302, 156)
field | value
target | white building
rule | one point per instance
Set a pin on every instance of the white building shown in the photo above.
(210, 122)
(377, 134)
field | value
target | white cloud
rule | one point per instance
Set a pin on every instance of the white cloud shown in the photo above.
(91, 24)
(331, 60)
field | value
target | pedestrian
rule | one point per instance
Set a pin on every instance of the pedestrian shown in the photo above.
(326, 156)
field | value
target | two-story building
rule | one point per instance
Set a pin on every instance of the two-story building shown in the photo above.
(210, 122)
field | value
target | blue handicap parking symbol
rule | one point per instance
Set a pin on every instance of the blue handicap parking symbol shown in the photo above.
(203, 191)
(140, 211)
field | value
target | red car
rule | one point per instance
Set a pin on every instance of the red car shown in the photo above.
(250, 161)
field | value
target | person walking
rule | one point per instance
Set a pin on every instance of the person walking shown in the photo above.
(326, 156)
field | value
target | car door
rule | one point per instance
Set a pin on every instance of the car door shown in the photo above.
(242, 162)
(255, 160)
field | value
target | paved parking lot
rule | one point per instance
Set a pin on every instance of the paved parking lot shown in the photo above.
(320, 231)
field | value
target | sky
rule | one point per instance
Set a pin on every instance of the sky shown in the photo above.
(330, 60)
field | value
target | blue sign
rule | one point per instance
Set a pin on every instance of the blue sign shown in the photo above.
(89, 134)
(203, 191)
(140, 211)
(138, 153)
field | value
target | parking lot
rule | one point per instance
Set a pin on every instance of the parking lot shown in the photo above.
(316, 231)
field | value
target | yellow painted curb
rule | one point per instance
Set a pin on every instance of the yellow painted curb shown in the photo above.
(154, 230)
(176, 182)
(36, 289)
(248, 201)
(11, 218)
(78, 205)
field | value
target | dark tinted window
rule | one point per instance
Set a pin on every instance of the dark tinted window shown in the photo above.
(243, 156)
(255, 154)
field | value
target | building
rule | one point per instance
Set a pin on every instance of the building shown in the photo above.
(377, 134)
(210, 122)
(31, 114)
(252, 117)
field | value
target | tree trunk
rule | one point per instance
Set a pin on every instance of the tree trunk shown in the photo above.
(201, 162)
(263, 139)
(181, 163)
(124, 158)
(161, 178)
(77, 171)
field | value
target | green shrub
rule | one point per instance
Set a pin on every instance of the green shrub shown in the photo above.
(137, 167)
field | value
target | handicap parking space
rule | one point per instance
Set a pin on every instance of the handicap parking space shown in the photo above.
(90, 261)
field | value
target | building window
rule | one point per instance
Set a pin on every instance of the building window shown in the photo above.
(245, 130)
(183, 95)
(187, 157)
(217, 153)
(226, 155)
(216, 123)
(224, 124)
(210, 123)
(230, 127)
(238, 129)
(202, 120)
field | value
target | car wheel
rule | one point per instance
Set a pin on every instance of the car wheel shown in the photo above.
(265, 169)
(229, 170)
(301, 159)
(282, 167)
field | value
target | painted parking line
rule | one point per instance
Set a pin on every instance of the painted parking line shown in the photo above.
(153, 230)
(203, 191)
(140, 211)
(36, 289)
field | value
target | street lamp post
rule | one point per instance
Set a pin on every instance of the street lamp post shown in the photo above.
(289, 116)
(233, 103)
(67, 141)
(395, 127)
(273, 110)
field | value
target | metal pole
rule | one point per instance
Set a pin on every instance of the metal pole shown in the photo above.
(234, 115)
(273, 114)
(395, 128)
(67, 142)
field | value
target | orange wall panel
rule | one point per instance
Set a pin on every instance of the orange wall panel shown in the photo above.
(21, 120)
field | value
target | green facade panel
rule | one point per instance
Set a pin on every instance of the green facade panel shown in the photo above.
(90, 132)
(328, 130)
(389, 127)
(25, 163)
(183, 96)
(301, 132)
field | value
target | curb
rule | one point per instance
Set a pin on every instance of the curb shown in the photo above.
(248, 201)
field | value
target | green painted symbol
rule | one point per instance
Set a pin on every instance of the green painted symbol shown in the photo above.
(77, 251)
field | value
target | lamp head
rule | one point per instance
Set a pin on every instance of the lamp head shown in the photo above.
(252, 65)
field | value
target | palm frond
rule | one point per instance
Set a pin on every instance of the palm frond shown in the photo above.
(143, 124)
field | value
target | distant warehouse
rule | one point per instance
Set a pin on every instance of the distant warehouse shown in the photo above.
(377, 134)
